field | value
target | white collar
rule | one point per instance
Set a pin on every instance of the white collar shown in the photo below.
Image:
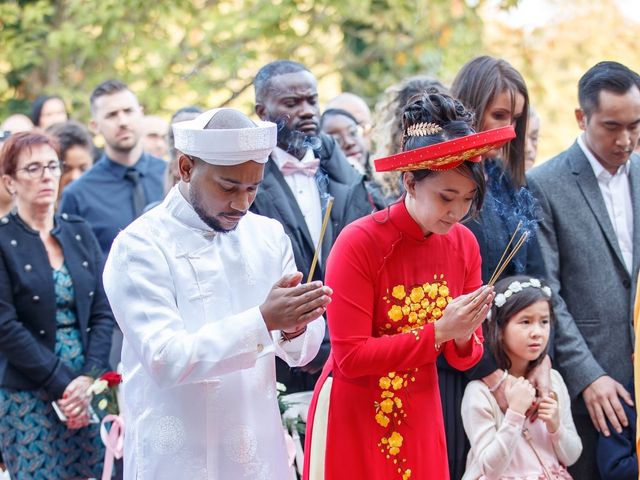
(598, 169)
(280, 156)
(179, 207)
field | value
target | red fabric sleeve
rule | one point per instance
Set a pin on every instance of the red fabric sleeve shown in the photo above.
(351, 272)
(472, 281)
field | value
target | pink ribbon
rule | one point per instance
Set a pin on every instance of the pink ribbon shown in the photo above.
(291, 453)
(113, 441)
(291, 447)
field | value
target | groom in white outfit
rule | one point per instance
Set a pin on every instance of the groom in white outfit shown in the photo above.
(207, 294)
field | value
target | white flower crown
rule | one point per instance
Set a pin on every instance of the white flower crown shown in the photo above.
(516, 287)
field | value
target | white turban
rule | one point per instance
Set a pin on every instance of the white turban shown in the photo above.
(224, 146)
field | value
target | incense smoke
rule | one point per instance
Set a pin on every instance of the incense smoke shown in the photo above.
(513, 205)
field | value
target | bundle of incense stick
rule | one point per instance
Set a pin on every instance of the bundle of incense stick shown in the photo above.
(502, 264)
(325, 221)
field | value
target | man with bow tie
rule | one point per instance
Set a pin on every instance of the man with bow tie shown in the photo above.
(304, 169)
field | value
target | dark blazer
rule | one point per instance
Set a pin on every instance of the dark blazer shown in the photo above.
(28, 305)
(352, 200)
(594, 291)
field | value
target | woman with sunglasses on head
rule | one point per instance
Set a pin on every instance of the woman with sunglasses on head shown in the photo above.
(497, 93)
(55, 322)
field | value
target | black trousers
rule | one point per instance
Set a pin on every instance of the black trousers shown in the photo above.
(452, 384)
(586, 467)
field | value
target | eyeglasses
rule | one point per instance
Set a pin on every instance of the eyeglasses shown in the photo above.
(344, 138)
(36, 170)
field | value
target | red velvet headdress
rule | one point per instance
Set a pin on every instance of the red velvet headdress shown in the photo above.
(449, 154)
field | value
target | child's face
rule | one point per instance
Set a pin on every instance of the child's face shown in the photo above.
(527, 333)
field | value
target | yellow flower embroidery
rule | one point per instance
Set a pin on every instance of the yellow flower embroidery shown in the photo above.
(398, 292)
(395, 442)
(417, 294)
(395, 313)
(397, 382)
(386, 405)
(382, 419)
(385, 383)
(410, 309)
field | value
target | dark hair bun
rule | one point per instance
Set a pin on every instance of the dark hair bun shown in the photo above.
(435, 108)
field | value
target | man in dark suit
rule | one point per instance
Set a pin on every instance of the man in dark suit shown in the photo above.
(590, 238)
(115, 191)
(303, 171)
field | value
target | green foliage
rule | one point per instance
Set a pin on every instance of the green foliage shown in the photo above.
(180, 52)
(396, 39)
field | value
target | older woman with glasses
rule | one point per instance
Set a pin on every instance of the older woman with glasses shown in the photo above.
(55, 322)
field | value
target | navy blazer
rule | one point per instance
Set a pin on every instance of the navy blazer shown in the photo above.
(28, 304)
(616, 455)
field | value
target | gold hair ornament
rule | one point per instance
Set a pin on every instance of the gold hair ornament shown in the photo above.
(423, 129)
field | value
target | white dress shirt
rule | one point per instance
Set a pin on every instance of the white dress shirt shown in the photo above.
(305, 190)
(199, 391)
(616, 193)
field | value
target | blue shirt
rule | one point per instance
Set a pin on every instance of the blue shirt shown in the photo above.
(104, 197)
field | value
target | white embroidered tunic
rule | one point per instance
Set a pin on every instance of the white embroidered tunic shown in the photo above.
(199, 363)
